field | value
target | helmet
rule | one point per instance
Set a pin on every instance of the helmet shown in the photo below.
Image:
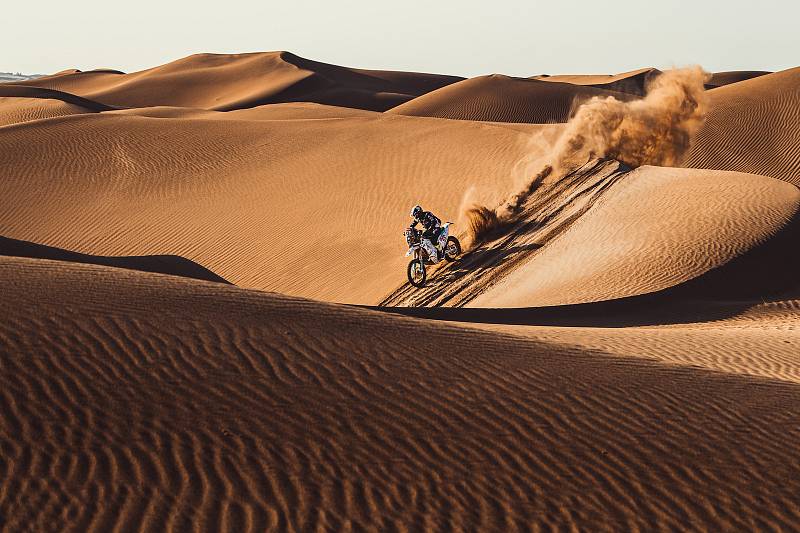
(416, 212)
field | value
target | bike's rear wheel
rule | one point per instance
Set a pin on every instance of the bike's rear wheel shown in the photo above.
(452, 249)
(416, 273)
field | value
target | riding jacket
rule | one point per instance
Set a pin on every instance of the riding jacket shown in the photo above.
(429, 221)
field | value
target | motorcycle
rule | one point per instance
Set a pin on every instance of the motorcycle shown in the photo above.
(447, 247)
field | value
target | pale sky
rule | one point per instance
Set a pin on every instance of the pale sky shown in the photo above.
(462, 37)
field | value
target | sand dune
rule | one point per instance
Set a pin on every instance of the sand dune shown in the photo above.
(261, 412)
(309, 207)
(16, 110)
(286, 111)
(165, 264)
(718, 79)
(257, 197)
(622, 356)
(605, 233)
(499, 98)
(753, 126)
(634, 82)
(235, 81)
(21, 91)
(750, 333)
(653, 229)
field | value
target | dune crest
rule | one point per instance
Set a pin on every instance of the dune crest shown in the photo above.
(719, 79)
(19, 103)
(235, 81)
(634, 82)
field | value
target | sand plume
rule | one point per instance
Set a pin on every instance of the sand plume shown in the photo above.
(484, 223)
(656, 130)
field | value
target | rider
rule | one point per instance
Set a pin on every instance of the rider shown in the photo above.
(433, 228)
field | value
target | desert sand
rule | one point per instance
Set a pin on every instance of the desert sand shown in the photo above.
(752, 127)
(226, 82)
(498, 98)
(206, 323)
(634, 82)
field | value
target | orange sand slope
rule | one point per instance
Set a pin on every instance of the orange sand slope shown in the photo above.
(283, 204)
(753, 126)
(310, 207)
(500, 98)
(606, 233)
(761, 341)
(655, 228)
(22, 104)
(257, 411)
(634, 82)
(718, 79)
(233, 81)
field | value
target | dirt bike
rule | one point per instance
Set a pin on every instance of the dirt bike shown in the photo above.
(447, 247)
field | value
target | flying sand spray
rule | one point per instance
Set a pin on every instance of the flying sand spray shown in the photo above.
(655, 130)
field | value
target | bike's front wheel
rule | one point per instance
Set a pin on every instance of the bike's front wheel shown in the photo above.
(416, 273)
(452, 249)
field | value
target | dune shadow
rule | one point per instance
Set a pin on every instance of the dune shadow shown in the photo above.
(644, 310)
(32, 91)
(173, 265)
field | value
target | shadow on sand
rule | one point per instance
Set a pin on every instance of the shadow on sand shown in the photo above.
(173, 265)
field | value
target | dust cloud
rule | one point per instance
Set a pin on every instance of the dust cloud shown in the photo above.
(655, 130)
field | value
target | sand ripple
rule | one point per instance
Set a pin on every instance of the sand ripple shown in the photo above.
(256, 412)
